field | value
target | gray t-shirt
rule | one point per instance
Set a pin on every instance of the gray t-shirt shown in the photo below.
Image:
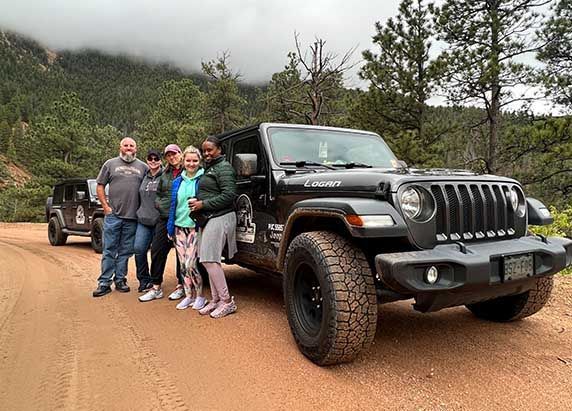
(124, 180)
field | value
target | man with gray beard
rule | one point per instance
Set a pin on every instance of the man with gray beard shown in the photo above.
(123, 174)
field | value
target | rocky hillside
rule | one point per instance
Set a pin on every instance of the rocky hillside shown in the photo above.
(11, 174)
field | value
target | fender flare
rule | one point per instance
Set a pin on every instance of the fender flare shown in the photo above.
(339, 207)
(60, 216)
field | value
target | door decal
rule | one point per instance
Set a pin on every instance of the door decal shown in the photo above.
(245, 228)
(80, 215)
(275, 234)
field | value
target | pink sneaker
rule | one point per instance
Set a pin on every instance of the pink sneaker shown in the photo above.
(224, 309)
(209, 308)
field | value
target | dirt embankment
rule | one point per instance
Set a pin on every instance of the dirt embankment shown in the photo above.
(13, 174)
(61, 348)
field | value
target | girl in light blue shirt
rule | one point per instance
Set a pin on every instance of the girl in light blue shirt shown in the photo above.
(181, 228)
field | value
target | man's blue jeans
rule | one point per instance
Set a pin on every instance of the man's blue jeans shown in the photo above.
(118, 238)
(143, 237)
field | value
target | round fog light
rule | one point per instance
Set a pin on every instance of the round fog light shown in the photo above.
(431, 275)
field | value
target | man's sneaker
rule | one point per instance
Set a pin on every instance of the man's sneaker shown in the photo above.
(185, 303)
(151, 295)
(143, 288)
(200, 303)
(224, 309)
(122, 286)
(209, 308)
(101, 290)
(177, 294)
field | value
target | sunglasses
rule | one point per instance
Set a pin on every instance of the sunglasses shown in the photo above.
(152, 158)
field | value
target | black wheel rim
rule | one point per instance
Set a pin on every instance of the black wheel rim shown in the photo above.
(308, 299)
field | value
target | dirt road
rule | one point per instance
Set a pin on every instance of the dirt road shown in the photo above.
(62, 349)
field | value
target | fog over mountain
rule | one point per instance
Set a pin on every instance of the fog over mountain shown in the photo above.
(257, 33)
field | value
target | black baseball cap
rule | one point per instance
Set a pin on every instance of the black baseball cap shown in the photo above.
(153, 152)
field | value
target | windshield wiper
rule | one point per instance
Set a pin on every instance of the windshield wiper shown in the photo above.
(304, 163)
(352, 165)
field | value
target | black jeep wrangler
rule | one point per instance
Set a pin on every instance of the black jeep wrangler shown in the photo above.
(348, 226)
(74, 209)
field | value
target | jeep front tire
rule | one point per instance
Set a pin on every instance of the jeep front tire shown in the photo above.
(55, 233)
(330, 297)
(97, 235)
(515, 307)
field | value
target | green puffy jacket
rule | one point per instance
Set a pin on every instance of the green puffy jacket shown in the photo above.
(217, 187)
(163, 198)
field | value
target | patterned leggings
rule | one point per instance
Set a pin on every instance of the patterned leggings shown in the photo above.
(186, 246)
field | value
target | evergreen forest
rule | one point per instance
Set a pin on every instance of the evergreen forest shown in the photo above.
(62, 113)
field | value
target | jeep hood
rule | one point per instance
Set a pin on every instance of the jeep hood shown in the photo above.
(371, 179)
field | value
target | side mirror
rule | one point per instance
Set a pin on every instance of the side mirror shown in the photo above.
(80, 195)
(401, 164)
(245, 164)
(538, 214)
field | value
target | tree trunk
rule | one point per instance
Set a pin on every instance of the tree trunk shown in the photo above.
(494, 109)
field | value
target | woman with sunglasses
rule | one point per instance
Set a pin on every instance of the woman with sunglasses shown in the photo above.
(161, 245)
(147, 217)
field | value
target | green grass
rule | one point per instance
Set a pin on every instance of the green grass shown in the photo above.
(562, 227)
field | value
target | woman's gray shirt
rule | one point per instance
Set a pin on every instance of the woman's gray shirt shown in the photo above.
(147, 214)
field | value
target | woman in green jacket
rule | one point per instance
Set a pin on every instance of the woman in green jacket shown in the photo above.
(215, 200)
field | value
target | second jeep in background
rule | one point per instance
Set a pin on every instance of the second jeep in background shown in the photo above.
(73, 209)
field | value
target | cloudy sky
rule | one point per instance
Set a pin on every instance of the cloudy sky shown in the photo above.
(257, 33)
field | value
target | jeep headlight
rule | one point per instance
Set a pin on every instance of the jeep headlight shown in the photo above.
(417, 204)
(517, 201)
(514, 198)
(411, 203)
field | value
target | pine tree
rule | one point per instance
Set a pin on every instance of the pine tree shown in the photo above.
(178, 117)
(310, 89)
(401, 78)
(485, 40)
(223, 101)
(557, 72)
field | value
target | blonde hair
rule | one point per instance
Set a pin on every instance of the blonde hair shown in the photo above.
(192, 150)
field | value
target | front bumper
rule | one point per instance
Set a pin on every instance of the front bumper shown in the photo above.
(471, 276)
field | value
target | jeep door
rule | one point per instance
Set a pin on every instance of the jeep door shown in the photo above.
(80, 208)
(253, 208)
(68, 206)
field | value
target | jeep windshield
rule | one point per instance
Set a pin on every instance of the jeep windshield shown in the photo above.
(336, 148)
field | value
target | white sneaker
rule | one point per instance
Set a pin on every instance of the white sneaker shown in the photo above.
(209, 308)
(151, 295)
(199, 304)
(185, 303)
(224, 309)
(177, 294)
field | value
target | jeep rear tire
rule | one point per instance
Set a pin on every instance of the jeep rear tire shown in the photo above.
(55, 233)
(515, 307)
(97, 235)
(330, 297)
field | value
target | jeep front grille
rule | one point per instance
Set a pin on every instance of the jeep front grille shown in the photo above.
(466, 212)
